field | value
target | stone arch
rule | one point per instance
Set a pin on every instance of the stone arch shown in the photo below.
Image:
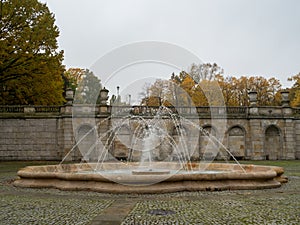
(187, 138)
(210, 129)
(181, 140)
(122, 143)
(237, 141)
(208, 148)
(86, 139)
(273, 143)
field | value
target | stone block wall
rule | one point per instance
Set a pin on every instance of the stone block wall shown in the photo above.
(27, 135)
(29, 139)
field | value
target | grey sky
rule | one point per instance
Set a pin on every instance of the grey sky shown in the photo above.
(245, 37)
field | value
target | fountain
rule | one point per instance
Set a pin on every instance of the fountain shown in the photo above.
(159, 161)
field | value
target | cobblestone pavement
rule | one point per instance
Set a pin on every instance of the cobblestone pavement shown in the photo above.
(51, 206)
(280, 206)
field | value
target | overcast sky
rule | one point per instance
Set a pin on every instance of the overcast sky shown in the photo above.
(245, 37)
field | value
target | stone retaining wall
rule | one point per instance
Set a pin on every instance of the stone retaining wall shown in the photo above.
(29, 139)
(41, 133)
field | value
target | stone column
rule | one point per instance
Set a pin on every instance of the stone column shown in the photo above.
(68, 137)
(66, 125)
(285, 103)
(289, 139)
(289, 131)
(257, 139)
(256, 131)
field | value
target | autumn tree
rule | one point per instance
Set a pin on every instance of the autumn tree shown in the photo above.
(199, 85)
(274, 89)
(266, 90)
(30, 65)
(72, 77)
(295, 91)
(205, 71)
(155, 94)
(183, 89)
(205, 85)
(235, 90)
(226, 84)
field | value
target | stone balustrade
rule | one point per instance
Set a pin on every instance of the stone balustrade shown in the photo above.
(241, 112)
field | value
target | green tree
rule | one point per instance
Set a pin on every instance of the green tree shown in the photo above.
(88, 89)
(30, 65)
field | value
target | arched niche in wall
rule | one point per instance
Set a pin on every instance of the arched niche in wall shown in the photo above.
(86, 141)
(273, 143)
(180, 144)
(122, 143)
(208, 147)
(236, 142)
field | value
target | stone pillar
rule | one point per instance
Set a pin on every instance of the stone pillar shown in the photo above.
(68, 137)
(66, 126)
(257, 139)
(285, 103)
(67, 109)
(103, 101)
(289, 139)
(103, 96)
(256, 131)
(253, 102)
(69, 96)
(252, 98)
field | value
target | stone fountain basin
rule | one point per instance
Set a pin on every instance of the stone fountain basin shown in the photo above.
(116, 177)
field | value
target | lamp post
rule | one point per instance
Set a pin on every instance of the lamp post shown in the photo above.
(118, 91)
(129, 98)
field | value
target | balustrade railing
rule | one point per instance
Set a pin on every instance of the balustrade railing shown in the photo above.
(236, 110)
(152, 111)
(31, 109)
(11, 109)
(47, 109)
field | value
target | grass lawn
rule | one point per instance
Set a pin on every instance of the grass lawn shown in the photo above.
(291, 167)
